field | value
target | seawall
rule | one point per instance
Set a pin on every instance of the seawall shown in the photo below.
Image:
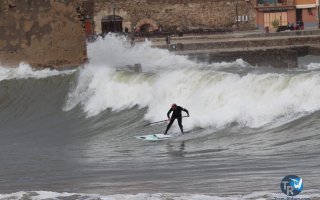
(274, 49)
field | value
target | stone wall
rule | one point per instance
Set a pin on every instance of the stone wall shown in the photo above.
(178, 15)
(275, 57)
(43, 33)
(251, 42)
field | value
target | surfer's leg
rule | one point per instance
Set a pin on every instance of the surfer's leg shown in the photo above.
(180, 124)
(169, 125)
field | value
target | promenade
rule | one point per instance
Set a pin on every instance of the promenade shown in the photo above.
(236, 35)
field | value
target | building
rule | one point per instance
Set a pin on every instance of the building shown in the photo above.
(172, 16)
(307, 12)
(270, 10)
(274, 13)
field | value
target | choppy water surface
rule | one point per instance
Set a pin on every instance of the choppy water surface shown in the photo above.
(70, 135)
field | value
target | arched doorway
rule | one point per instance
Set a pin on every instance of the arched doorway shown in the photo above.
(146, 28)
(111, 23)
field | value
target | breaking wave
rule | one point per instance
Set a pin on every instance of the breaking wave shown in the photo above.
(215, 98)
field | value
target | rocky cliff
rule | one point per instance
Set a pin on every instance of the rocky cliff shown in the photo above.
(46, 33)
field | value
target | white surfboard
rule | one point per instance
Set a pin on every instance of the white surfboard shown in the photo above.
(155, 137)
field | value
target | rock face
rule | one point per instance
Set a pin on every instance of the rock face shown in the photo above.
(46, 33)
(178, 14)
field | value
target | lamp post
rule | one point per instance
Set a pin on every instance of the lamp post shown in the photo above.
(318, 1)
(237, 18)
(114, 16)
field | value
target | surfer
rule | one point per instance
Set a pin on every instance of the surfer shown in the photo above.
(176, 115)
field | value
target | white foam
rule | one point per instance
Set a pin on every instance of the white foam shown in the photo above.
(24, 71)
(312, 66)
(36, 195)
(113, 51)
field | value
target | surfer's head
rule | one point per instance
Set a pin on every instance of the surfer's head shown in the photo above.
(174, 106)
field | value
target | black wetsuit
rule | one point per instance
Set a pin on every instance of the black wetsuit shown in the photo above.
(176, 115)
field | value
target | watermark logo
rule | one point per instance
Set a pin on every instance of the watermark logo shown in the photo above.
(291, 185)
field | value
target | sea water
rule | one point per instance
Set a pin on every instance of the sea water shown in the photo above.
(70, 134)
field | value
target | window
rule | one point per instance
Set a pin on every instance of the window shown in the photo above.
(243, 18)
(270, 17)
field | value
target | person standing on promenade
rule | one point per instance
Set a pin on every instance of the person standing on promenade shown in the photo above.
(168, 39)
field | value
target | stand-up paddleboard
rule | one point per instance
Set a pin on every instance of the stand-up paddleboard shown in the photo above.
(155, 137)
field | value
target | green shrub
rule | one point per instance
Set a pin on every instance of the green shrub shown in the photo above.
(275, 23)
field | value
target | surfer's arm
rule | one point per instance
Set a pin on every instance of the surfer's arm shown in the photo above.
(185, 110)
(168, 114)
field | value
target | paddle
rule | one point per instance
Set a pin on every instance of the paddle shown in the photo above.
(160, 121)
